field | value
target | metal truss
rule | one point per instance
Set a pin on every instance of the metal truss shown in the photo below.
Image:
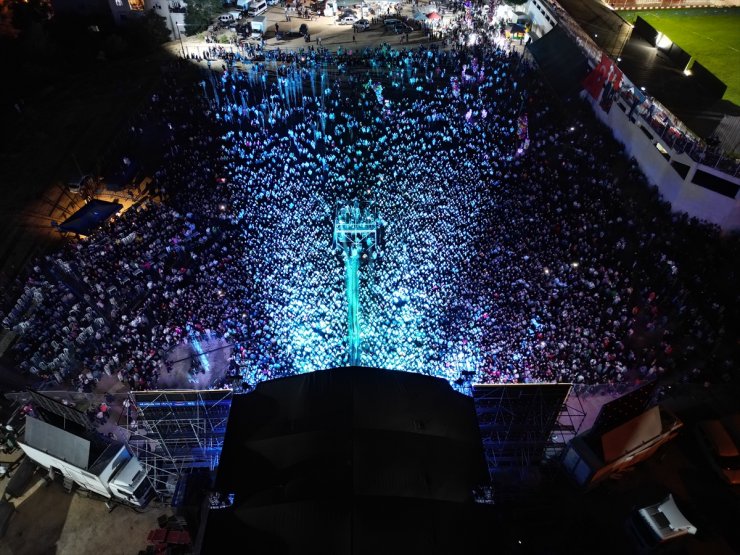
(356, 236)
(173, 433)
(522, 425)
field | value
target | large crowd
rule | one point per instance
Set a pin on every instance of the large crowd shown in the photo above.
(518, 244)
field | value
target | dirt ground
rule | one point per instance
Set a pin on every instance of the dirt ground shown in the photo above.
(48, 520)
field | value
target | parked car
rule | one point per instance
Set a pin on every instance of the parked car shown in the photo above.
(347, 19)
(85, 186)
(391, 22)
(361, 25)
(720, 450)
(225, 18)
(402, 28)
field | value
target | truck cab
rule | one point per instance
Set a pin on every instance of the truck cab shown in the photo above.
(658, 524)
(131, 484)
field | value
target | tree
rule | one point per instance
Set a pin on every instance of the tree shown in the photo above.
(114, 47)
(147, 32)
(35, 41)
(201, 14)
(29, 12)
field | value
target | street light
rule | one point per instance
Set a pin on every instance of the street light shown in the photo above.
(176, 26)
(179, 35)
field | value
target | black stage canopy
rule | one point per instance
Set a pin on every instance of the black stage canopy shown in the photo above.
(91, 216)
(351, 460)
(561, 62)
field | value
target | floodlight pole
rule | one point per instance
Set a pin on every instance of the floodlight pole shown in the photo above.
(352, 281)
(355, 234)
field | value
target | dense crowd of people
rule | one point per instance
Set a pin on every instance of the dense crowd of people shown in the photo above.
(517, 242)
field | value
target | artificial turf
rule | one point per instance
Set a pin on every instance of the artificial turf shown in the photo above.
(711, 36)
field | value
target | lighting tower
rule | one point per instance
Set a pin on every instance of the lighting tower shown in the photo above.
(356, 235)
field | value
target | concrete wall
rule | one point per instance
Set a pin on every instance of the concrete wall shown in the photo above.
(543, 19)
(683, 195)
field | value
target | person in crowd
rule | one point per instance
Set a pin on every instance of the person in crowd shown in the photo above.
(516, 244)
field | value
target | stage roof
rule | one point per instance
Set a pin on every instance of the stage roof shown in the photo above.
(561, 61)
(90, 217)
(351, 460)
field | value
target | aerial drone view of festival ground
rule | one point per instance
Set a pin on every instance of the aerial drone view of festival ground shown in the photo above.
(515, 242)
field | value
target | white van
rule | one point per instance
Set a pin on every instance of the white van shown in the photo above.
(660, 523)
(226, 18)
(257, 8)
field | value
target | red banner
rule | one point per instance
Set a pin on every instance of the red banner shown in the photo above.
(606, 72)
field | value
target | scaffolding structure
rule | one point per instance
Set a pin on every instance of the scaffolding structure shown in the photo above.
(522, 425)
(174, 433)
(356, 236)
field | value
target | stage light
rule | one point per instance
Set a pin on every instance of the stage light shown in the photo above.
(663, 42)
(574, 264)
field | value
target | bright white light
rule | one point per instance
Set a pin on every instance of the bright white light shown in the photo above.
(574, 264)
(663, 42)
(642, 88)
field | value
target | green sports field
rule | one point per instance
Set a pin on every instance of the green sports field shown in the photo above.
(711, 36)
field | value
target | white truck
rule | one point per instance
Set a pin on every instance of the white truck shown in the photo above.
(96, 464)
(259, 25)
(657, 524)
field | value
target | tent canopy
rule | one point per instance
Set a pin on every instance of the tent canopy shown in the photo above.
(561, 61)
(90, 217)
